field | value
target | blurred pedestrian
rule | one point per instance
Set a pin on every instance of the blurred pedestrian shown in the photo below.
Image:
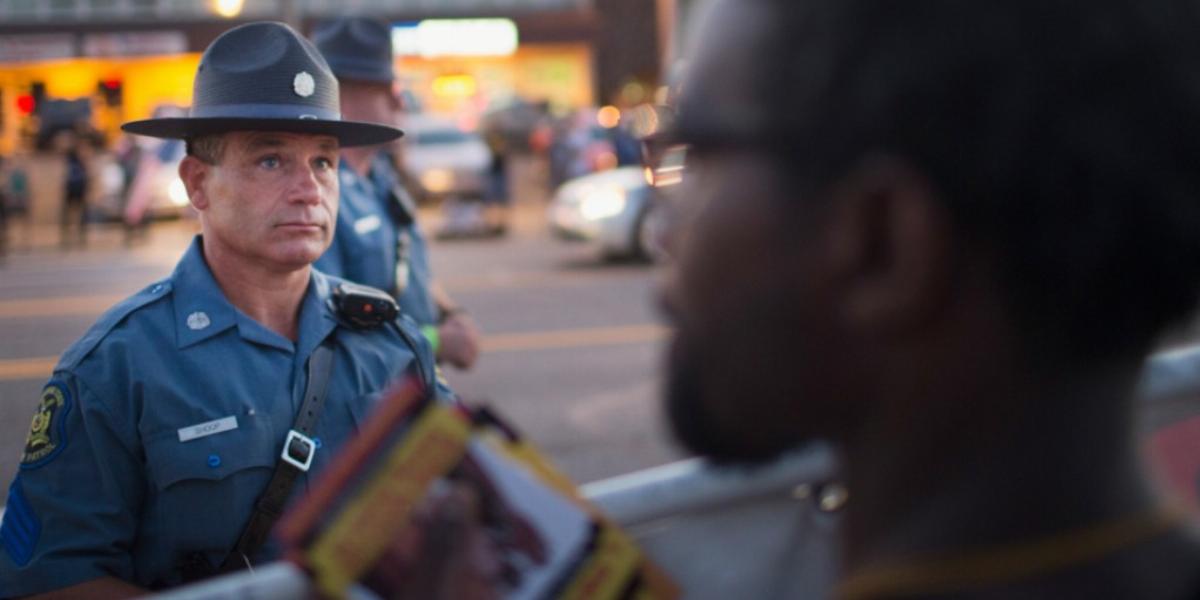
(76, 182)
(379, 241)
(944, 235)
(14, 185)
(129, 156)
(5, 202)
(496, 198)
(171, 435)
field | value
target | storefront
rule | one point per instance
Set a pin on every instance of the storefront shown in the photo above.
(464, 66)
(103, 79)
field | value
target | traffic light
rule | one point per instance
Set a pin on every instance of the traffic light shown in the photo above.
(111, 90)
(26, 104)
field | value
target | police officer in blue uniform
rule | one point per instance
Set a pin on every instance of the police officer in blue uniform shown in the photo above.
(162, 426)
(378, 241)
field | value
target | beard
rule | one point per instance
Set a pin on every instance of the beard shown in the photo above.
(691, 389)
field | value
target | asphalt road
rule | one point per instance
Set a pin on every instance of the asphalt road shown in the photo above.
(571, 351)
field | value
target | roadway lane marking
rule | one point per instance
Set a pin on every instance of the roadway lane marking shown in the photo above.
(574, 338)
(27, 368)
(42, 367)
(94, 305)
(526, 279)
(58, 307)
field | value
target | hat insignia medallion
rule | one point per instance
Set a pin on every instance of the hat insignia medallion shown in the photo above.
(303, 84)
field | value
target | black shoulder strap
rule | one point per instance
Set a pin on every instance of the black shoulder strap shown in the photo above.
(297, 456)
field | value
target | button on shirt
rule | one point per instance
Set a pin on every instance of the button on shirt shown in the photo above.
(162, 425)
(364, 245)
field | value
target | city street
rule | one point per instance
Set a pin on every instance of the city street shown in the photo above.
(571, 352)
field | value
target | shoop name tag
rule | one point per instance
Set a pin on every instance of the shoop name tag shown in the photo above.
(192, 432)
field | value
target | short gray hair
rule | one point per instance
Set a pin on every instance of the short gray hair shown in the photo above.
(209, 148)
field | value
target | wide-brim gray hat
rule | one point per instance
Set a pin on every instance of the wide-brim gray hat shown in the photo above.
(357, 48)
(264, 77)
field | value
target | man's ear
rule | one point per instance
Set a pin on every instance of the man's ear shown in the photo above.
(193, 172)
(889, 245)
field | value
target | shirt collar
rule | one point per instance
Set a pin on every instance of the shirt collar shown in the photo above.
(317, 314)
(383, 172)
(202, 310)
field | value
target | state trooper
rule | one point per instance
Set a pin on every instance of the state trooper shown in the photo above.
(379, 242)
(162, 427)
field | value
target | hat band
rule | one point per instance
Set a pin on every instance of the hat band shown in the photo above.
(265, 111)
(347, 66)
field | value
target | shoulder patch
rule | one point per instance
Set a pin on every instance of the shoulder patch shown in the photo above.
(48, 432)
(110, 319)
(21, 528)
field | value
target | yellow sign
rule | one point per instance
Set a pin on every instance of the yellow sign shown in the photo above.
(362, 532)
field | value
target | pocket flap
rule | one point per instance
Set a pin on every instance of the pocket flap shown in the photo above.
(213, 457)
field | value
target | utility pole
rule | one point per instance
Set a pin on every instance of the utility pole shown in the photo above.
(668, 43)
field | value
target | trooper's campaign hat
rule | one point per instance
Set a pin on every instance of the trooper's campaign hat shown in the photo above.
(264, 77)
(358, 48)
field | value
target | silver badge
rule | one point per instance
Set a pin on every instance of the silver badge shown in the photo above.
(197, 321)
(304, 85)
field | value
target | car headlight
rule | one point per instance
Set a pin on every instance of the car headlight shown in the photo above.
(603, 203)
(437, 181)
(177, 192)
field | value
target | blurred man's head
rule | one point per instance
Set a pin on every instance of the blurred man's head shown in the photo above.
(359, 52)
(894, 186)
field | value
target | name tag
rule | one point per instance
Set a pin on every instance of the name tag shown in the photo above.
(367, 224)
(192, 432)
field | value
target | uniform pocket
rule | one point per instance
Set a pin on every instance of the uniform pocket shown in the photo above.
(251, 445)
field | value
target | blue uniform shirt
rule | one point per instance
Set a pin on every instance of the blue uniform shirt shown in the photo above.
(162, 425)
(364, 245)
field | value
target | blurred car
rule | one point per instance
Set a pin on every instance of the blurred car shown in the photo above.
(616, 210)
(442, 160)
(517, 121)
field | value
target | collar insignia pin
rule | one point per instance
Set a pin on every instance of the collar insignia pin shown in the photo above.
(197, 321)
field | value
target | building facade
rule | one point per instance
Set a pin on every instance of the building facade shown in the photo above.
(120, 59)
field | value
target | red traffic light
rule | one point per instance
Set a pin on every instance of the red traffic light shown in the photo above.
(26, 104)
(112, 84)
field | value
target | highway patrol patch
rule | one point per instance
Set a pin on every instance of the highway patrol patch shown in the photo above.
(47, 433)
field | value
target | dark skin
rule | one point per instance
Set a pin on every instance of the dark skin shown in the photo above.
(857, 312)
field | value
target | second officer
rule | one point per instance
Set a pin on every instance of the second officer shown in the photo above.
(378, 241)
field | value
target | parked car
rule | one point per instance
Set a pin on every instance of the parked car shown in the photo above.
(615, 210)
(442, 160)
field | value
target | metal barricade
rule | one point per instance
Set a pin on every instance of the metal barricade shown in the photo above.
(719, 532)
